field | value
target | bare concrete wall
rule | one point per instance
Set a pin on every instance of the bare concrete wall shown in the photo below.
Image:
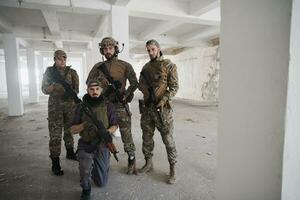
(198, 71)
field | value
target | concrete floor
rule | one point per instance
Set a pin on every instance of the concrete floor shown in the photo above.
(25, 165)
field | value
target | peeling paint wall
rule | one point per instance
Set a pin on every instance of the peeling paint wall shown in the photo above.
(198, 71)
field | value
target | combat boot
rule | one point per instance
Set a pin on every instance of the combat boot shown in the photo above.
(56, 169)
(172, 179)
(70, 154)
(131, 166)
(148, 167)
(85, 194)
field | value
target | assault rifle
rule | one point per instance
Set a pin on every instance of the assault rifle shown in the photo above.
(152, 97)
(114, 86)
(103, 134)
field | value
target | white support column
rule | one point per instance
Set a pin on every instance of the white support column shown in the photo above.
(14, 87)
(120, 31)
(85, 72)
(32, 76)
(93, 56)
(253, 90)
(291, 162)
(40, 66)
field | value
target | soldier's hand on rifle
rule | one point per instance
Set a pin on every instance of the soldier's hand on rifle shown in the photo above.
(160, 105)
(104, 82)
(77, 128)
(50, 89)
(124, 99)
(112, 129)
(58, 89)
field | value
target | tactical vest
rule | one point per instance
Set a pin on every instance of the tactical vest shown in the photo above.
(158, 74)
(67, 75)
(117, 70)
(100, 111)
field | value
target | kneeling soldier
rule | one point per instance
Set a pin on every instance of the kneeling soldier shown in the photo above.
(93, 164)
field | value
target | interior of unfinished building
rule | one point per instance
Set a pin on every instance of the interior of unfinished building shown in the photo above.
(236, 112)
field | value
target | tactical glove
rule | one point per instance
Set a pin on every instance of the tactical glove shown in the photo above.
(58, 89)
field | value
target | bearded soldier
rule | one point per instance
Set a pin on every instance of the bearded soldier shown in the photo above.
(60, 108)
(113, 74)
(159, 83)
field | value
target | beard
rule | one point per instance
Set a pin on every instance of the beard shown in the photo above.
(92, 101)
(153, 57)
(109, 56)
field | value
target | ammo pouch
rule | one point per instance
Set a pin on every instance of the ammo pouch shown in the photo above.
(141, 106)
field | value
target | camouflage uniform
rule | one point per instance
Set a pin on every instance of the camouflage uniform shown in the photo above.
(60, 109)
(163, 76)
(121, 71)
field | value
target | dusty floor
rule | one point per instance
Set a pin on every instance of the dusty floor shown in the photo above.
(25, 165)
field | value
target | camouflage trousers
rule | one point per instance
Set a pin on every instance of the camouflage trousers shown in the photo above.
(149, 120)
(124, 121)
(60, 116)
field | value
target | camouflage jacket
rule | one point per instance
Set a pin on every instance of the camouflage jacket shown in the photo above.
(120, 71)
(164, 79)
(70, 76)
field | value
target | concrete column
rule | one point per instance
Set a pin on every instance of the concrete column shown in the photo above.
(291, 161)
(120, 31)
(41, 70)
(93, 56)
(14, 88)
(32, 76)
(253, 87)
(85, 72)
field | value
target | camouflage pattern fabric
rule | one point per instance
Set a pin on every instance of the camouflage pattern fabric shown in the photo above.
(60, 109)
(150, 120)
(124, 122)
(121, 71)
(164, 77)
(60, 115)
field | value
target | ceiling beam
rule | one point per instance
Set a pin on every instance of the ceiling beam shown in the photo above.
(52, 21)
(84, 7)
(59, 44)
(178, 18)
(198, 8)
(205, 34)
(102, 25)
(22, 42)
(159, 29)
(5, 26)
(121, 2)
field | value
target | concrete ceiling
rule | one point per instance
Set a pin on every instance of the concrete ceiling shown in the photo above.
(73, 24)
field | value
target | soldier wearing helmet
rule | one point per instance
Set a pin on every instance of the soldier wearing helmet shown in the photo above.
(120, 71)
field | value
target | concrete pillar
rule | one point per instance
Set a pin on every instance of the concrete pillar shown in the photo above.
(120, 31)
(14, 88)
(253, 87)
(32, 76)
(41, 70)
(291, 161)
(93, 55)
(85, 72)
